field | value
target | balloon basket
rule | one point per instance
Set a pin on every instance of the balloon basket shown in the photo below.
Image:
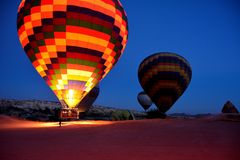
(69, 114)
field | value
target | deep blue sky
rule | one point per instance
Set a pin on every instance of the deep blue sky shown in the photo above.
(205, 32)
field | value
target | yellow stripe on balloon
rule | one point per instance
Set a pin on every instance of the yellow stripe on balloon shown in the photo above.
(39, 69)
(79, 72)
(79, 78)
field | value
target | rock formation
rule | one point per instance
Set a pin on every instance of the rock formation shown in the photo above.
(229, 108)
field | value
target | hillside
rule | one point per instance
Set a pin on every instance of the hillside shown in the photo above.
(48, 111)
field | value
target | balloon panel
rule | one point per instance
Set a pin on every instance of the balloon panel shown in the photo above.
(72, 44)
(164, 77)
(89, 99)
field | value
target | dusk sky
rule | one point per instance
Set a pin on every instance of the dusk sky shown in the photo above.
(205, 32)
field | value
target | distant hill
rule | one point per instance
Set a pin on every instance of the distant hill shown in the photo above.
(49, 110)
(30, 109)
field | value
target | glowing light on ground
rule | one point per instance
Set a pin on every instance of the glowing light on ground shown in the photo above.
(71, 123)
(15, 123)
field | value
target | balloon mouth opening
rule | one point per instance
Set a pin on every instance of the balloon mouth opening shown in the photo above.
(71, 99)
(69, 103)
(72, 103)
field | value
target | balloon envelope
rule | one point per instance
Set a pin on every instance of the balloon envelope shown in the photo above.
(144, 100)
(89, 99)
(72, 44)
(164, 77)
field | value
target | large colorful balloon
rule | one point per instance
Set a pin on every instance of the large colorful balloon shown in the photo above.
(144, 100)
(72, 44)
(164, 77)
(89, 99)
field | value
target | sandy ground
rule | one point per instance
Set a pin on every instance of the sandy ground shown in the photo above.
(170, 139)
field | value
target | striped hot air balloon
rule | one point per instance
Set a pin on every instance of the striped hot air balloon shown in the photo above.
(72, 44)
(164, 77)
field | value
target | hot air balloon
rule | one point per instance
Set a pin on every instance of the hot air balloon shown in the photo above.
(89, 99)
(164, 77)
(72, 44)
(144, 100)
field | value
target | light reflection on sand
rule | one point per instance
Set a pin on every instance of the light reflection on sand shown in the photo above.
(8, 123)
(69, 123)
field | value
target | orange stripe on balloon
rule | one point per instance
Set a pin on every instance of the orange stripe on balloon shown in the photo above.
(29, 32)
(21, 30)
(35, 9)
(59, 8)
(35, 64)
(27, 19)
(38, 56)
(49, 41)
(52, 54)
(109, 2)
(37, 23)
(80, 67)
(84, 45)
(59, 34)
(46, 15)
(84, 30)
(61, 48)
(25, 42)
(104, 10)
(47, 60)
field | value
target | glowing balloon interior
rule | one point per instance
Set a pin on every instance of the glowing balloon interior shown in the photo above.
(72, 44)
